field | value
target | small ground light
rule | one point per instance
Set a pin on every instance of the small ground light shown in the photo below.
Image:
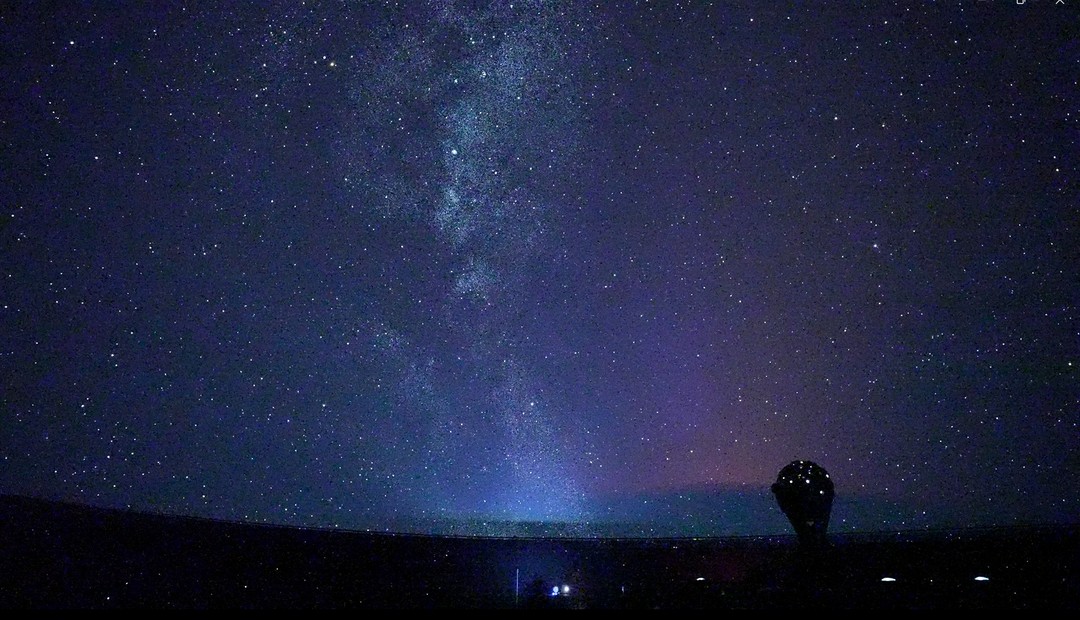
(700, 579)
(982, 578)
(888, 579)
(566, 589)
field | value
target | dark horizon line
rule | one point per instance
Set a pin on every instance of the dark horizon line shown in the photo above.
(855, 536)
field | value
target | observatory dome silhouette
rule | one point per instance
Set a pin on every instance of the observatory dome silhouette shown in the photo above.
(805, 494)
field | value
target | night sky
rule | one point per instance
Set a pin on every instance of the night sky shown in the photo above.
(444, 266)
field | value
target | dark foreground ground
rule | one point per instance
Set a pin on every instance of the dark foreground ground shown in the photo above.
(65, 556)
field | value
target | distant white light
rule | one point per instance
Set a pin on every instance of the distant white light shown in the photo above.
(982, 578)
(700, 579)
(554, 590)
(888, 579)
(565, 589)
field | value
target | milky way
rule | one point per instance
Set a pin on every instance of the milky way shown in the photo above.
(542, 267)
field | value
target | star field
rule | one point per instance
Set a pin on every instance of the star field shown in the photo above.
(447, 267)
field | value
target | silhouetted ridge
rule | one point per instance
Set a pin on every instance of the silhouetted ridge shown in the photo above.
(59, 555)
